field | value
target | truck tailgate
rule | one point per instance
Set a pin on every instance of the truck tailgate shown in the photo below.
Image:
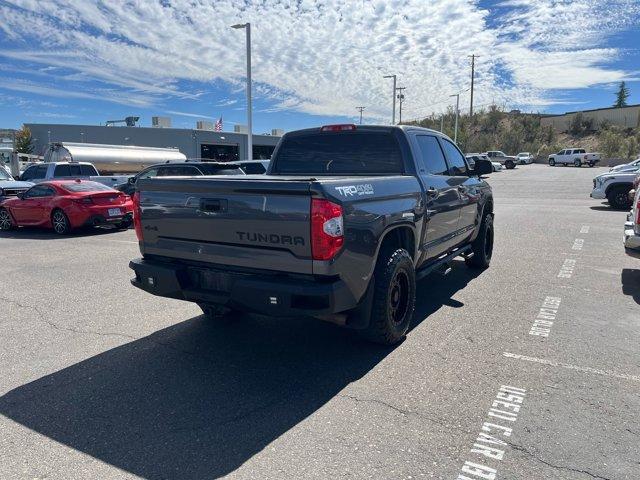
(250, 221)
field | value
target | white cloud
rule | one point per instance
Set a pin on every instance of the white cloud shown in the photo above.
(322, 56)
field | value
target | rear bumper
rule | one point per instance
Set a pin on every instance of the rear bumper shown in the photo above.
(273, 295)
(97, 219)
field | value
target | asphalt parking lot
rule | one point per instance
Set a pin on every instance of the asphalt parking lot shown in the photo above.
(530, 369)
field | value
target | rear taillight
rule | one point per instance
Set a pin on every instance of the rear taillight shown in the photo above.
(327, 229)
(638, 211)
(137, 212)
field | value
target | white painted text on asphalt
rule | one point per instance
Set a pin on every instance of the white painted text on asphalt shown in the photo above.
(584, 229)
(546, 315)
(567, 268)
(578, 243)
(488, 448)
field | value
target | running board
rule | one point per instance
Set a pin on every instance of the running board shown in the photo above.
(443, 262)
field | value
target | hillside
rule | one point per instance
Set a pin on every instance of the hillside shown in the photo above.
(514, 132)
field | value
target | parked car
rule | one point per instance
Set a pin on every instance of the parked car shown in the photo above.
(41, 172)
(626, 167)
(632, 225)
(342, 205)
(524, 158)
(67, 204)
(180, 169)
(472, 157)
(574, 156)
(615, 187)
(10, 187)
(253, 167)
(501, 157)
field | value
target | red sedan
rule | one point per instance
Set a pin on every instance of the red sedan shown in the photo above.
(67, 204)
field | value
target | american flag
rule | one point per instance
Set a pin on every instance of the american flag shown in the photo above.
(218, 125)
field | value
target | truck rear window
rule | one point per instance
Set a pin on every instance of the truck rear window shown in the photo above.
(328, 153)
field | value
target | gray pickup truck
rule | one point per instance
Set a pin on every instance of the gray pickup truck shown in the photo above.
(341, 226)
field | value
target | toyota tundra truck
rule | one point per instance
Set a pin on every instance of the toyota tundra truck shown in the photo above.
(345, 221)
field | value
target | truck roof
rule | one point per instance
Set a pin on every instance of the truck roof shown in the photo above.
(370, 128)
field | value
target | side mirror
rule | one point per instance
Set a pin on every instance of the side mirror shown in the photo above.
(482, 167)
(20, 195)
(131, 180)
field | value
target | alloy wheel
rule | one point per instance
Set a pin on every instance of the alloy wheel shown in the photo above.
(5, 220)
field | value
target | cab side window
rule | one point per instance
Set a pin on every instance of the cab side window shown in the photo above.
(150, 173)
(431, 155)
(39, 191)
(457, 165)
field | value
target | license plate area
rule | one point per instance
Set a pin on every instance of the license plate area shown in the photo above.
(211, 280)
(114, 212)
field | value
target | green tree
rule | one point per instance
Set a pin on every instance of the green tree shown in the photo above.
(621, 96)
(24, 142)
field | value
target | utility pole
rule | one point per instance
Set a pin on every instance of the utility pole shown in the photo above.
(247, 27)
(473, 68)
(442, 123)
(393, 115)
(360, 109)
(455, 132)
(400, 100)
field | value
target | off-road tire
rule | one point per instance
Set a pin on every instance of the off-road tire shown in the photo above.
(394, 298)
(5, 220)
(619, 197)
(60, 222)
(482, 246)
(552, 162)
(577, 163)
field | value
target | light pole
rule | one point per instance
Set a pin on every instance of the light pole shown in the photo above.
(247, 27)
(393, 115)
(400, 100)
(455, 132)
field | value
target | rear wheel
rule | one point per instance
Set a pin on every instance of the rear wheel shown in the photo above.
(482, 246)
(509, 164)
(60, 222)
(5, 220)
(619, 197)
(577, 163)
(552, 162)
(591, 164)
(394, 297)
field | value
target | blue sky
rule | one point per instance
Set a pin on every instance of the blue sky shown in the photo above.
(88, 61)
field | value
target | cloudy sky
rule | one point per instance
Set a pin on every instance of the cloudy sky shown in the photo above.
(87, 61)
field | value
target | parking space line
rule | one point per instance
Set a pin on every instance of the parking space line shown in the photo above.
(551, 363)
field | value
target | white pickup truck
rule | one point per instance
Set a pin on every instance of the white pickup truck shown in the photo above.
(40, 172)
(574, 156)
(615, 187)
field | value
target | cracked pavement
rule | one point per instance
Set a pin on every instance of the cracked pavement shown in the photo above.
(100, 380)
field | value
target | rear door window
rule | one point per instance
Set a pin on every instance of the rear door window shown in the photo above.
(62, 171)
(88, 171)
(339, 153)
(431, 156)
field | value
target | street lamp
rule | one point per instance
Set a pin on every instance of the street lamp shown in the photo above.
(393, 115)
(247, 27)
